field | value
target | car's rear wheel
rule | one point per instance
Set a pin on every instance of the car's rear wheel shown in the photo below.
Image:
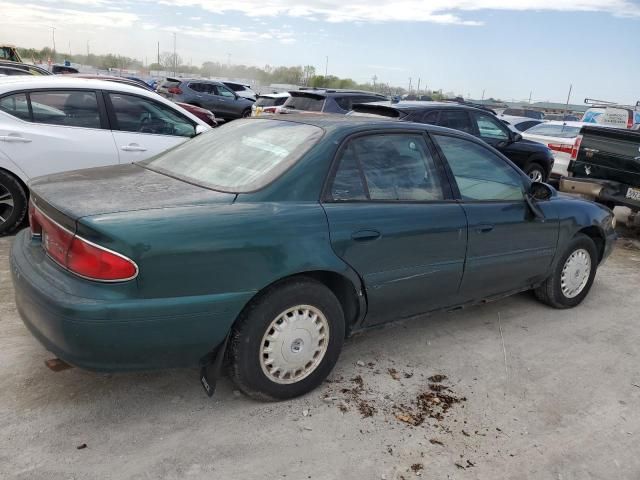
(13, 203)
(572, 276)
(287, 341)
(536, 172)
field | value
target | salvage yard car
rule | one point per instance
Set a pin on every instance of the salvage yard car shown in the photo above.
(51, 124)
(268, 240)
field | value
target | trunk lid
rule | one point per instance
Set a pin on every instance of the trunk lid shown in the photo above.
(119, 188)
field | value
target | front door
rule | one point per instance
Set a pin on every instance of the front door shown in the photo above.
(143, 127)
(509, 247)
(391, 218)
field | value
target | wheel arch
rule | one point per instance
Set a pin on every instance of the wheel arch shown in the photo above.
(597, 235)
(20, 179)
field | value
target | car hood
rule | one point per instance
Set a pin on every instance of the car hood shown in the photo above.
(119, 188)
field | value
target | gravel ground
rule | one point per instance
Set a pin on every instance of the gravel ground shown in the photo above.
(529, 393)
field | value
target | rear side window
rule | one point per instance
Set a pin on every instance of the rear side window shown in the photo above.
(69, 109)
(479, 173)
(241, 156)
(430, 118)
(387, 167)
(305, 102)
(197, 87)
(142, 115)
(16, 105)
(344, 102)
(456, 119)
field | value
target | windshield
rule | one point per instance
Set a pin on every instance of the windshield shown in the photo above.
(270, 101)
(560, 131)
(239, 157)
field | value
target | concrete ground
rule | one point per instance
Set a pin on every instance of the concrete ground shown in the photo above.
(544, 394)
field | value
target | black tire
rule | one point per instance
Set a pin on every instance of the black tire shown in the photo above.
(11, 218)
(550, 292)
(247, 335)
(246, 113)
(535, 167)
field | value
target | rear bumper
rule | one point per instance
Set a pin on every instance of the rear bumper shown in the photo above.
(117, 334)
(604, 191)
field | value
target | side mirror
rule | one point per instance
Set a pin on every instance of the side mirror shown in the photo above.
(200, 129)
(540, 191)
(515, 137)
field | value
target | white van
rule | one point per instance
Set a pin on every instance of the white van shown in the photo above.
(619, 116)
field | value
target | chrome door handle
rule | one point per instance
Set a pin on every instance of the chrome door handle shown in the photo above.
(484, 228)
(133, 148)
(365, 235)
(14, 139)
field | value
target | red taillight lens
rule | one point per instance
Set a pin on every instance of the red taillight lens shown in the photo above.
(269, 109)
(175, 90)
(560, 147)
(96, 263)
(77, 254)
(576, 147)
(630, 122)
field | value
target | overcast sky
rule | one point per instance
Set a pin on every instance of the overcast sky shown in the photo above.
(505, 47)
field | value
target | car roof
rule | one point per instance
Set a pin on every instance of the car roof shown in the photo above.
(416, 105)
(334, 92)
(64, 81)
(566, 123)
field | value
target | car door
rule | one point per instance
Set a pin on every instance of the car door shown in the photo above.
(55, 130)
(496, 134)
(143, 127)
(391, 217)
(509, 248)
(228, 105)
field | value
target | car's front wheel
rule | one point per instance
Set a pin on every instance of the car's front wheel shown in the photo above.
(572, 276)
(536, 172)
(287, 341)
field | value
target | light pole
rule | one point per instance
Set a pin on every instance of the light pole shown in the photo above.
(175, 57)
(53, 36)
(326, 67)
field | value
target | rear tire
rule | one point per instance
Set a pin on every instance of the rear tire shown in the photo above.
(536, 172)
(570, 283)
(13, 203)
(287, 341)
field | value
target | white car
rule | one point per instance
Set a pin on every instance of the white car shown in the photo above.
(521, 124)
(269, 103)
(52, 124)
(562, 138)
(241, 90)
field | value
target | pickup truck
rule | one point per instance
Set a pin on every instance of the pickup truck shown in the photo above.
(607, 168)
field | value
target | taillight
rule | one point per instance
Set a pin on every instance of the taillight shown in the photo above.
(560, 147)
(78, 255)
(175, 90)
(630, 122)
(269, 109)
(576, 147)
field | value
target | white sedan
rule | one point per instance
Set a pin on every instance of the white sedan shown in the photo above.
(53, 124)
(269, 103)
(562, 138)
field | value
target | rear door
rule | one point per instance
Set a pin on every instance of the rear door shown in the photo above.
(392, 218)
(50, 131)
(142, 127)
(508, 248)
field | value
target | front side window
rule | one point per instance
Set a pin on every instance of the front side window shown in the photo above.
(16, 105)
(142, 115)
(480, 174)
(490, 128)
(456, 119)
(387, 167)
(68, 108)
(223, 91)
(239, 157)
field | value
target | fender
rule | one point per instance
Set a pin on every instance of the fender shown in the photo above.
(7, 164)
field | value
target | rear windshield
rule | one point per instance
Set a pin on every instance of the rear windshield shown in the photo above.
(169, 82)
(305, 102)
(560, 131)
(239, 157)
(270, 101)
(521, 112)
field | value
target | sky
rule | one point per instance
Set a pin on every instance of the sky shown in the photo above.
(508, 49)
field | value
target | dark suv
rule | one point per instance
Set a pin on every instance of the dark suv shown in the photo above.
(327, 100)
(209, 94)
(533, 158)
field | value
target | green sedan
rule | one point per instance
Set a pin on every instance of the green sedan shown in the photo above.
(266, 242)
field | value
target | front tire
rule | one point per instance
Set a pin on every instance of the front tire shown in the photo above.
(246, 113)
(13, 203)
(536, 172)
(287, 341)
(572, 276)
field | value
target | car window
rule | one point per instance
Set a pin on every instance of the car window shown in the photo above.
(223, 91)
(387, 167)
(479, 173)
(270, 101)
(241, 156)
(16, 105)
(490, 128)
(142, 115)
(68, 108)
(430, 118)
(197, 87)
(557, 130)
(456, 119)
(344, 102)
(307, 103)
(235, 87)
(522, 126)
